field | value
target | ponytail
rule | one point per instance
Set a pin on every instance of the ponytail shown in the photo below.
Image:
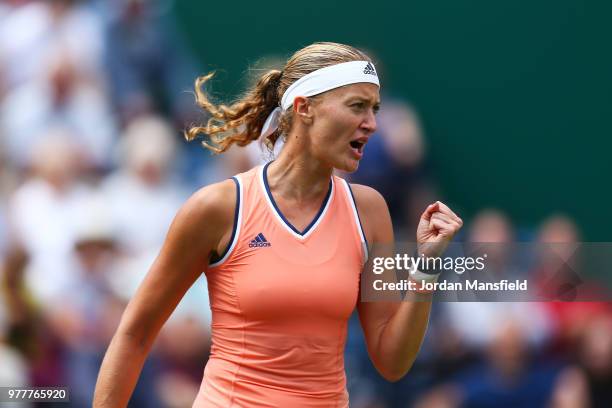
(240, 123)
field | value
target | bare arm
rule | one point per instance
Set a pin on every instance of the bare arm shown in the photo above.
(394, 331)
(202, 225)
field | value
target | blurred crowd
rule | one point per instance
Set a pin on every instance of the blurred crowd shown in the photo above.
(93, 167)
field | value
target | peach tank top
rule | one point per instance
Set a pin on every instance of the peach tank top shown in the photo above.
(281, 299)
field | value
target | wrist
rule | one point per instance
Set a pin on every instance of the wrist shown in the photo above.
(424, 273)
(424, 282)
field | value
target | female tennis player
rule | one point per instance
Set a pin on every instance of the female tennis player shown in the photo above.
(282, 247)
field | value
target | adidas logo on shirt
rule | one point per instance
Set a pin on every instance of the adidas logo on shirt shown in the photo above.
(259, 241)
(369, 69)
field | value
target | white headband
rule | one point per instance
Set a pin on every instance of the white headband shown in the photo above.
(320, 81)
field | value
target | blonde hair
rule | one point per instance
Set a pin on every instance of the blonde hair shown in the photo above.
(241, 122)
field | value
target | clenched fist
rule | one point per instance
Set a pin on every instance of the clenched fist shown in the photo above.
(437, 227)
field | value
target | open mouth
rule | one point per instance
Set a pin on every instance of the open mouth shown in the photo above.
(357, 145)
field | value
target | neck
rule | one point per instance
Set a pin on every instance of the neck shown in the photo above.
(296, 174)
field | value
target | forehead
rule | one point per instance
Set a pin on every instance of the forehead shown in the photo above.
(361, 90)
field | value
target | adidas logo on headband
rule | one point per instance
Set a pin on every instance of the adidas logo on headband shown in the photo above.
(369, 69)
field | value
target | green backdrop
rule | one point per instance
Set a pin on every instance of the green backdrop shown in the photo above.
(515, 96)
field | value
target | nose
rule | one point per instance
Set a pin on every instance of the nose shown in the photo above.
(369, 123)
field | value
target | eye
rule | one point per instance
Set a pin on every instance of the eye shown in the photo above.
(358, 105)
(376, 109)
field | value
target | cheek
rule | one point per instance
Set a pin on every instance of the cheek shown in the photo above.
(337, 127)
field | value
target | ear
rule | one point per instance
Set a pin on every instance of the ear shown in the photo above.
(302, 108)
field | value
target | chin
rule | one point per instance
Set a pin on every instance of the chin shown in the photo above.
(348, 166)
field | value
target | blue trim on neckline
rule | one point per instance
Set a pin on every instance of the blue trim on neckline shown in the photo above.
(280, 214)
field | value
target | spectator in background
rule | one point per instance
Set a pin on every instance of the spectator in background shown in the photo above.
(26, 327)
(511, 335)
(571, 390)
(558, 241)
(558, 272)
(143, 193)
(594, 354)
(13, 367)
(59, 96)
(32, 34)
(586, 383)
(150, 70)
(88, 312)
(143, 196)
(476, 322)
(509, 376)
(41, 214)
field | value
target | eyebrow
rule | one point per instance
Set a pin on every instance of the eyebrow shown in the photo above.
(363, 98)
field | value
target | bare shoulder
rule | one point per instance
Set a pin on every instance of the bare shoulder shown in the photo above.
(373, 212)
(209, 209)
(368, 199)
(217, 199)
